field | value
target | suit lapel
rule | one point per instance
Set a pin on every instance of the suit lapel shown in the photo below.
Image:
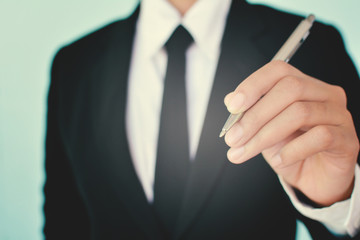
(119, 171)
(239, 58)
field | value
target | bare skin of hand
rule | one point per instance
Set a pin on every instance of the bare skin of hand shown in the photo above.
(302, 128)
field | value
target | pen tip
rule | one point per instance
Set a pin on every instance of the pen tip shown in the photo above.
(222, 133)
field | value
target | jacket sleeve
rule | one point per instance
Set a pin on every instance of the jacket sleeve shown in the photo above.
(64, 209)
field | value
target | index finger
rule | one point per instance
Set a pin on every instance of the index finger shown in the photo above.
(258, 84)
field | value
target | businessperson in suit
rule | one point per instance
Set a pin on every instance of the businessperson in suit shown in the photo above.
(296, 148)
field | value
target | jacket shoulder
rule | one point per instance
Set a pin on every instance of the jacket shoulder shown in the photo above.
(278, 25)
(95, 42)
(278, 19)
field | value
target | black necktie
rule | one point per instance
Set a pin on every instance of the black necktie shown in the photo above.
(172, 164)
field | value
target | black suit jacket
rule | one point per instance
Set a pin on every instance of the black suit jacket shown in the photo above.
(92, 190)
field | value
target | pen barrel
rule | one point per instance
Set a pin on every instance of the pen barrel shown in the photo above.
(233, 118)
(295, 40)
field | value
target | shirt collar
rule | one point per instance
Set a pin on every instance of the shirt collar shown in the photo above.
(205, 21)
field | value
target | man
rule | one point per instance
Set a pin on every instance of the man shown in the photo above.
(105, 140)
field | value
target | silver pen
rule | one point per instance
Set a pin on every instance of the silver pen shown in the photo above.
(287, 50)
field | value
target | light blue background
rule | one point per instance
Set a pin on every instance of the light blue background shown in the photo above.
(30, 34)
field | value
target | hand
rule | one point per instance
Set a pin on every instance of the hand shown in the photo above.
(301, 126)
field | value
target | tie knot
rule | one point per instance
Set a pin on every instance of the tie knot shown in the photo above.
(179, 41)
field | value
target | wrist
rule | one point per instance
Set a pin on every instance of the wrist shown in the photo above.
(326, 202)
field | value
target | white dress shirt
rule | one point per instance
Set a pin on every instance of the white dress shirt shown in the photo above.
(205, 21)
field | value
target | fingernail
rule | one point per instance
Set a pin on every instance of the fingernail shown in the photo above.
(235, 153)
(234, 135)
(236, 102)
(276, 160)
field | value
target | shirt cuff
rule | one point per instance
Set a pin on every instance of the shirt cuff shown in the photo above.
(341, 218)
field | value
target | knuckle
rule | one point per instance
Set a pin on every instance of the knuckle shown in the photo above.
(293, 85)
(302, 111)
(340, 94)
(347, 115)
(341, 115)
(325, 135)
(354, 147)
(352, 142)
(281, 66)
